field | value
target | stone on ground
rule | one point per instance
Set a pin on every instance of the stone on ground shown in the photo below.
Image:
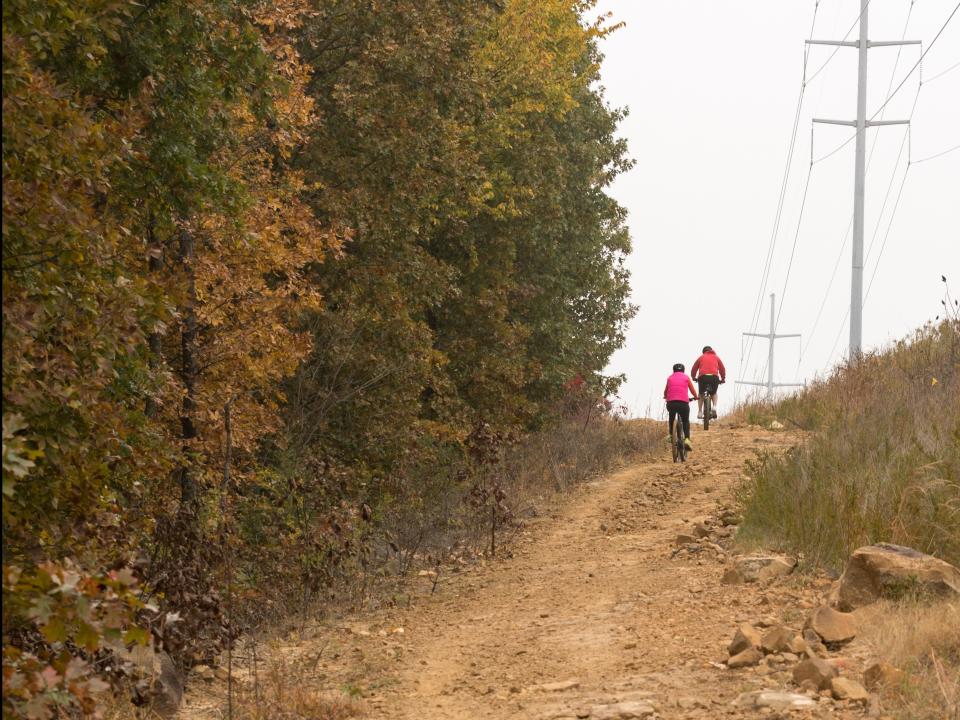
(750, 656)
(777, 639)
(890, 571)
(844, 688)
(746, 637)
(732, 576)
(764, 567)
(818, 672)
(775, 700)
(684, 539)
(832, 625)
(882, 675)
(622, 711)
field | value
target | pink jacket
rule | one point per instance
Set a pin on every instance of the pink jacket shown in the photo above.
(677, 387)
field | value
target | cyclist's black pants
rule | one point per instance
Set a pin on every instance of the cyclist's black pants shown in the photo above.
(681, 408)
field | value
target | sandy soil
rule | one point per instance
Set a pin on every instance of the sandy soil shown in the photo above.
(595, 607)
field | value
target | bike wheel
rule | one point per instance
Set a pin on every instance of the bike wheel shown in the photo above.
(673, 440)
(707, 409)
(678, 440)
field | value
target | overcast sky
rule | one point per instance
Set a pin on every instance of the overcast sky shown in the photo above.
(712, 88)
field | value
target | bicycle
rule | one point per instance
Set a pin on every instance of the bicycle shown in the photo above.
(677, 443)
(708, 411)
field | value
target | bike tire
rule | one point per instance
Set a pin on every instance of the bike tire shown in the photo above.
(678, 439)
(673, 440)
(707, 409)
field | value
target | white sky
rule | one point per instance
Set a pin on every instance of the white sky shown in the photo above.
(712, 87)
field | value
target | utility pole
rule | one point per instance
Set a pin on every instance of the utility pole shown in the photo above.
(771, 336)
(861, 124)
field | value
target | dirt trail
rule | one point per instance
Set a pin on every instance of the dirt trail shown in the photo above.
(593, 608)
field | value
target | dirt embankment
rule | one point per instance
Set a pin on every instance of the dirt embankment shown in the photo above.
(596, 614)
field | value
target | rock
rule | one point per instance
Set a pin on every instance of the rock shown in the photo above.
(814, 643)
(843, 688)
(732, 576)
(701, 530)
(775, 700)
(160, 686)
(730, 517)
(684, 539)
(204, 672)
(750, 656)
(890, 571)
(559, 686)
(744, 638)
(777, 639)
(764, 567)
(776, 425)
(798, 646)
(818, 672)
(882, 675)
(622, 711)
(832, 626)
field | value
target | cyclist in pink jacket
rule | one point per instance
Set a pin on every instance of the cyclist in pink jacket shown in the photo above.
(675, 393)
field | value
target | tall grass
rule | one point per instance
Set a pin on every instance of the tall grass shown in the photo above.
(882, 462)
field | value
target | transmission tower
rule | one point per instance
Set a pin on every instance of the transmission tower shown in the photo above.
(861, 124)
(771, 336)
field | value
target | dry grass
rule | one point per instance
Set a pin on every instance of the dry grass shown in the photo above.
(440, 515)
(924, 640)
(882, 462)
(286, 691)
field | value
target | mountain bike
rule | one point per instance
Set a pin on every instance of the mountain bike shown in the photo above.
(676, 440)
(708, 412)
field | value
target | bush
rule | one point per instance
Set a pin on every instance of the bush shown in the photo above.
(882, 462)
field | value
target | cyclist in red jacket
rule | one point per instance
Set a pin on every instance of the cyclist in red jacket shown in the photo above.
(709, 372)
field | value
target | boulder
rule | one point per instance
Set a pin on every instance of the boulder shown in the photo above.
(744, 638)
(832, 626)
(890, 571)
(817, 672)
(701, 530)
(882, 675)
(160, 685)
(750, 656)
(684, 539)
(777, 639)
(755, 568)
(843, 688)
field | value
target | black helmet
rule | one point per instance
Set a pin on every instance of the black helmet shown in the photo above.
(678, 367)
(706, 348)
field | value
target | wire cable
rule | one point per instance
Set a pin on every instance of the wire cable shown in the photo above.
(939, 154)
(886, 236)
(941, 73)
(919, 61)
(747, 348)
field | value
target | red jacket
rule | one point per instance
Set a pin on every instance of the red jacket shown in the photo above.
(708, 364)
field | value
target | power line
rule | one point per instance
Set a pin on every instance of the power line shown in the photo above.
(755, 315)
(917, 64)
(883, 246)
(941, 73)
(939, 154)
(837, 49)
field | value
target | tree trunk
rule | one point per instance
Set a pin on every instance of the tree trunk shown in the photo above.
(189, 371)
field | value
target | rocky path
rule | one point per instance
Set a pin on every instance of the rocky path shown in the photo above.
(599, 613)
